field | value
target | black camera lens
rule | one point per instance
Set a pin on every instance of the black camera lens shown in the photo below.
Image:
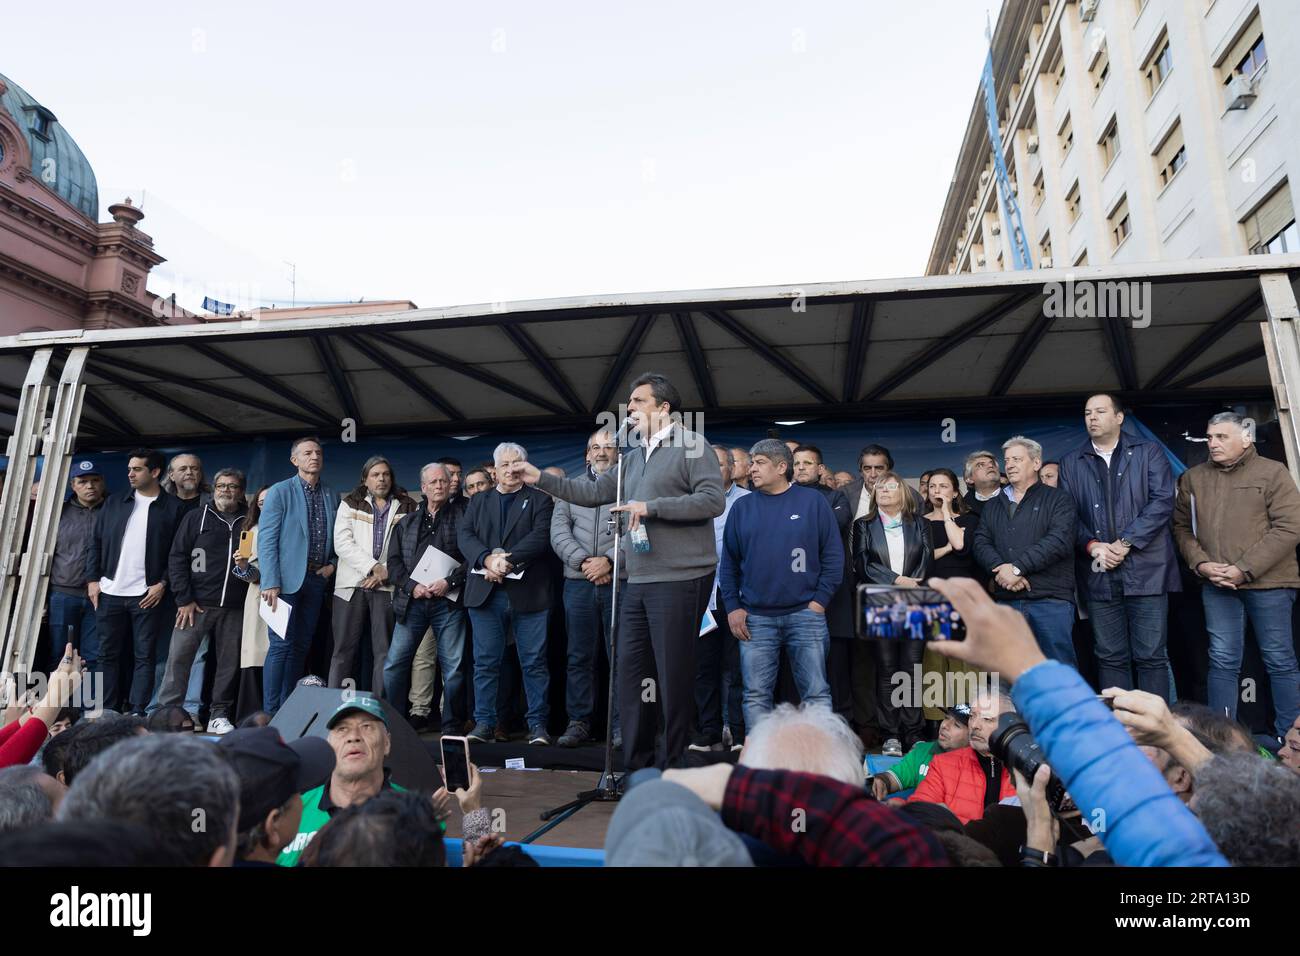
(1015, 746)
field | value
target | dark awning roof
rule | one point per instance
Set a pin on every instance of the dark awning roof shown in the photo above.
(865, 349)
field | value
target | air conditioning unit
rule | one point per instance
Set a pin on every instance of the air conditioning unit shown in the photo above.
(1241, 92)
(996, 228)
(984, 179)
(1088, 9)
(1045, 262)
(1031, 143)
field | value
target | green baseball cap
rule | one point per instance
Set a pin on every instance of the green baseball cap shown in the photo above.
(362, 702)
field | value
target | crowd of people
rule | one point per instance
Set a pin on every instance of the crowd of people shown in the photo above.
(167, 588)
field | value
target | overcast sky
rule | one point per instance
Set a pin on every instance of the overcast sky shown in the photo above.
(455, 153)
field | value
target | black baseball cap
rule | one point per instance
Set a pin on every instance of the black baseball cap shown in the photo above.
(271, 771)
(960, 713)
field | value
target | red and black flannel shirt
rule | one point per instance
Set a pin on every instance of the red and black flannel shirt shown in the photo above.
(840, 825)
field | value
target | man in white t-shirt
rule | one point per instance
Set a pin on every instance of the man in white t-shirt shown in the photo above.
(126, 576)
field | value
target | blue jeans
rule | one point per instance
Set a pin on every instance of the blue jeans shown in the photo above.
(490, 624)
(1270, 614)
(286, 655)
(805, 638)
(1131, 635)
(1052, 621)
(194, 689)
(72, 618)
(586, 618)
(447, 619)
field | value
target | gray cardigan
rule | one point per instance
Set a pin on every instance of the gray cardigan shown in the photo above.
(681, 486)
(578, 533)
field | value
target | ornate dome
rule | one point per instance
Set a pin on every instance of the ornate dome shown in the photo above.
(57, 160)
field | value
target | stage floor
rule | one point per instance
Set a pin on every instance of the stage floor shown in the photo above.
(523, 794)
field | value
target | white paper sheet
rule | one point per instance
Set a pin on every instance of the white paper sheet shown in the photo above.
(434, 566)
(513, 577)
(277, 620)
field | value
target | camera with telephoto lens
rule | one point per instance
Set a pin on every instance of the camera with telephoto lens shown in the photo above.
(1015, 746)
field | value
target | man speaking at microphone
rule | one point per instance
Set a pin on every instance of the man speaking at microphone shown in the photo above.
(673, 490)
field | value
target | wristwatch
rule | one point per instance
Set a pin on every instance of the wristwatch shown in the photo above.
(1016, 571)
(1126, 542)
(1030, 857)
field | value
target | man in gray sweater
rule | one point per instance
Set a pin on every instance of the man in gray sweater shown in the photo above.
(673, 490)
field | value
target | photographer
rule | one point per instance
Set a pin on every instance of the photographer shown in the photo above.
(1145, 823)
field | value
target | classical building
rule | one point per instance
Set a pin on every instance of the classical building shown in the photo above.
(60, 268)
(1134, 131)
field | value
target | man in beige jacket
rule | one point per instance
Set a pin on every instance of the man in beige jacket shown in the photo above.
(1237, 524)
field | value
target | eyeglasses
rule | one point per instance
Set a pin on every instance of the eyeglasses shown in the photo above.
(228, 486)
(888, 486)
(599, 447)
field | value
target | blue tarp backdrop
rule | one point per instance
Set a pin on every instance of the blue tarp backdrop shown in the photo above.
(915, 445)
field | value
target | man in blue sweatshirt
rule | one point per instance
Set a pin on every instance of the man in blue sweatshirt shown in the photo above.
(781, 561)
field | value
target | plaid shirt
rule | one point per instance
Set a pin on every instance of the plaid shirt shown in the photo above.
(841, 824)
(317, 546)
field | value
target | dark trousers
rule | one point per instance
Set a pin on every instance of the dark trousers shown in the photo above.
(716, 654)
(117, 619)
(839, 667)
(659, 626)
(907, 723)
(223, 628)
(286, 656)
(368, 612)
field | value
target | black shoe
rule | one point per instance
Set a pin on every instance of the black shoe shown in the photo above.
(539, 737)
(481, 734)
(706, 744)
(420, 723)
(575, 734)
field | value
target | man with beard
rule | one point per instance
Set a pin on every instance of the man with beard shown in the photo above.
(954, 733)
(209, 597)
(358, 732)
(583, 538)
(185, 481)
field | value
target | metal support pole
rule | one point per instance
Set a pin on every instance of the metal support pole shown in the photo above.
(23, 447)
(1282, 349)
(65, 416)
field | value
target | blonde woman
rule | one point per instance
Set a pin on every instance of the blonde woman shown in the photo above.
(252, 650)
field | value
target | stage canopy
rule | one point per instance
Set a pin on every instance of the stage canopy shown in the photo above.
(846, 350)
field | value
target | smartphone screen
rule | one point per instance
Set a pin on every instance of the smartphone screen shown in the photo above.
(455, 763)
(888, 613)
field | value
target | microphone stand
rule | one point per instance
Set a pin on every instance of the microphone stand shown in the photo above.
(606, 790)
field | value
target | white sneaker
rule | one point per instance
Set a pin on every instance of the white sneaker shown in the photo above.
(220, 726)
(892, 748)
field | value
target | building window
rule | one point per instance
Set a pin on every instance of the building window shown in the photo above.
(1100, 69)
(1171, 157)
(39, 121)
(1158, 66)
(1271, 227)
(1073, 207)
(1083, 258)
(1045, 247)
(1109, 143)
(1066, 136)
(1248, 55)
(1120, 227)
(1057, 70)
(1039, 192)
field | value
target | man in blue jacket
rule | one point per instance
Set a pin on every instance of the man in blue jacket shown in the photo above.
(295, 552)
(782, 559)
(1123, 489)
